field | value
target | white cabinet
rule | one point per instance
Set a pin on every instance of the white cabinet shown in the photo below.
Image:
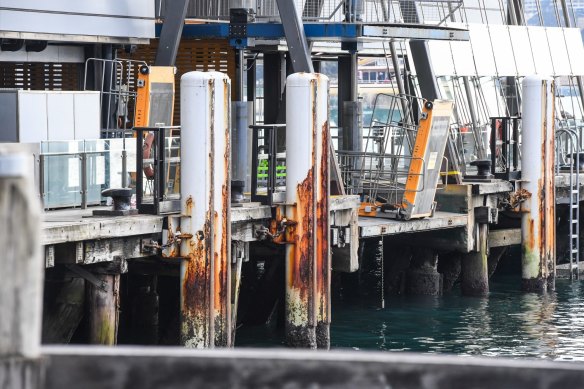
(32, 117)
(50, 115)
(60, 116)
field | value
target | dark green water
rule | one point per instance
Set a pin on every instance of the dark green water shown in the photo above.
(508, 323)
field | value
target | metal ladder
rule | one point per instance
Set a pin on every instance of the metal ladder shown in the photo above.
(572, 145)
(574, 225)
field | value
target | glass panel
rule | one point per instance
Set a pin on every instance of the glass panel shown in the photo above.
(149, 150)
(172, 163)
(62, 180)
(63, 175)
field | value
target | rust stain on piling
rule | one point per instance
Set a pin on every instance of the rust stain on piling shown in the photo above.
(189, 206)
(300, 235)
(323, 264)
(195, 287)
(221, 293)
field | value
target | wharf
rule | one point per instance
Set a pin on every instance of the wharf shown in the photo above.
(74, 236)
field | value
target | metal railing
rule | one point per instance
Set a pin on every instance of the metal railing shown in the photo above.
(73, 173)
(367, 11)
(377, 177)
(380, 171)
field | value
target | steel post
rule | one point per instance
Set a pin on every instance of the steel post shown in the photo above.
(538, 228)
(239, 144)
(350, 109)
(206, 216)
(308, 260)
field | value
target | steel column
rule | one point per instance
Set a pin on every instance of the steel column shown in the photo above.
(473, 116)
(295, 38)
(274, 81)
(349, 110)
(430, 91)
(174, 20)
(427, 80)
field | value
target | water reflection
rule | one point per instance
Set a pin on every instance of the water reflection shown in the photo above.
(507, 323)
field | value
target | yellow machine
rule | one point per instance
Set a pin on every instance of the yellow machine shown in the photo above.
(418, 187)
(155, 96)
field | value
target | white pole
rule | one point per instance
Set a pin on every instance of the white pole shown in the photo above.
(206, 210)
(537, 172)
(307, 199)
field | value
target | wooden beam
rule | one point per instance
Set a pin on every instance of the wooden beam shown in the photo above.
(62, 317)
(60, 231)
(99, 251)
(505, 237)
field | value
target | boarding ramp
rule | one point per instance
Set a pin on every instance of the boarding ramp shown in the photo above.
(398, 170)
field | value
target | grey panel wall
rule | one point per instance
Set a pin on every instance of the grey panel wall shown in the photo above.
(9, 125)
(87, 18)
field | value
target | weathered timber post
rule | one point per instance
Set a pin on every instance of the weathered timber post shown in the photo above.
(474, 266)
(308, 263)
(422, 277)
(538, 227)
(61, 319)
(449, 265)
(145, 312)
(206, 210)
(103, 309)
(239, 253)
(21, 277)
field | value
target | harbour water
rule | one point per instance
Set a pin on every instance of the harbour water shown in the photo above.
(509, 323)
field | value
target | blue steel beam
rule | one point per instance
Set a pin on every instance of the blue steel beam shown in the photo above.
(326, 31)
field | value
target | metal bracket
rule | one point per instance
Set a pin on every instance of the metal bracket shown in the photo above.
(88, 276)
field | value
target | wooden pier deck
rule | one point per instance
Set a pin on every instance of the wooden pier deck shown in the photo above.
(73, 225)
(375, 226)
(76, 236)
